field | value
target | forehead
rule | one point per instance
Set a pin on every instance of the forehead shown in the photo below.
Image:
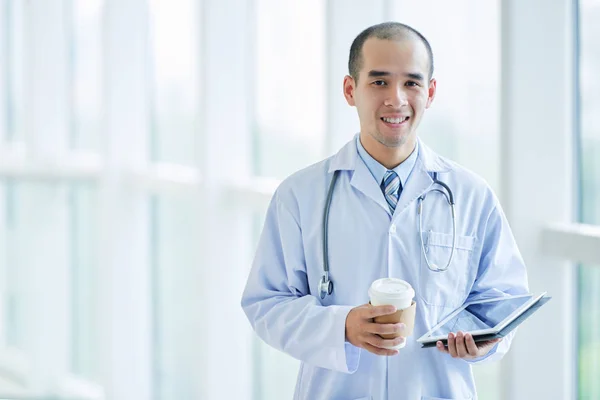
(406, 55)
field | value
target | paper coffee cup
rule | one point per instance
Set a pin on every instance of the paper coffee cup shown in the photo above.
(398, 293)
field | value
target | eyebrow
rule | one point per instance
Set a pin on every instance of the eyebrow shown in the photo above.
(375, 74)
(412, 75)
(416, 76)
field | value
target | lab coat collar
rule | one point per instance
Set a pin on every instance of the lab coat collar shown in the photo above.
(427, 162)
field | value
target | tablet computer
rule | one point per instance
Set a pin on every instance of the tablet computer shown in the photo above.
(485, 319)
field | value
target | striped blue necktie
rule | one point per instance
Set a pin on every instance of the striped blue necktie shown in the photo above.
(391, 187)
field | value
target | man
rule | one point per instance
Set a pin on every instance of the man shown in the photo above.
(373, 232)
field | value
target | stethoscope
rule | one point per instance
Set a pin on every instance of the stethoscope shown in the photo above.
(326, 285)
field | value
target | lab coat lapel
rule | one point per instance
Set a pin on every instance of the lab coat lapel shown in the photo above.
(363, 181)
(417, 184)
(421, 179)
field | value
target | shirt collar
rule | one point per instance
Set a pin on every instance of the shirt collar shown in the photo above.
(378, 171)
(427, 160)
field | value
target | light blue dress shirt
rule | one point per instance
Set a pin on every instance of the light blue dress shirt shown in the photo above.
(378, 170)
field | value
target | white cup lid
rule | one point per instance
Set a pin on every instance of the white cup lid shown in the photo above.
(392, 288)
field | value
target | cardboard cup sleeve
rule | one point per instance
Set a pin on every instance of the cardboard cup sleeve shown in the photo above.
(406, 316)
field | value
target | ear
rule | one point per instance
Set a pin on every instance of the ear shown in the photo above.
(431, 92)
(349, 87)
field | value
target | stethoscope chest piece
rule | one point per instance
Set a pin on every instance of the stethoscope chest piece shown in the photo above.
(325, 286)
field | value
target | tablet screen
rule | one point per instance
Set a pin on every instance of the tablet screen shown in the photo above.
(481, 316)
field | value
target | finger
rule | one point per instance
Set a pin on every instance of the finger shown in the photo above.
(471, 346)
(440, 346)
(381, 343)
(461, 348)
(378, 311)
(380, 352)
(452, 345)
(385, 329)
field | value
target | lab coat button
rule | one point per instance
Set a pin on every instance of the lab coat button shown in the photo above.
(393, 228)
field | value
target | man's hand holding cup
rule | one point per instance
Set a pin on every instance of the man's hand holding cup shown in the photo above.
(362, 331)
(381, 327)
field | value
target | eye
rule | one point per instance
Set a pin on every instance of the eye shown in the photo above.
(379, 83)
(412, 83)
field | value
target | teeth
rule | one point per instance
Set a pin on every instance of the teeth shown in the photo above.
(395, 120)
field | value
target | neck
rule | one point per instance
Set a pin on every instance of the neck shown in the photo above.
(389, 157)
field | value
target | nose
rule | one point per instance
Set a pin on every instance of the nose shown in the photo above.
(396, 98)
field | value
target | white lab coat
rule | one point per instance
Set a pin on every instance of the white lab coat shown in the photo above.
(366, 242)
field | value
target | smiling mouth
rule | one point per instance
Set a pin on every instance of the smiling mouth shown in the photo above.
(395, 121)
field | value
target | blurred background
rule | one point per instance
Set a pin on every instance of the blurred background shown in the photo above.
(141, 140)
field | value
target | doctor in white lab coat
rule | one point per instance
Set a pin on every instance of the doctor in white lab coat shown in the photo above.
(373, 233)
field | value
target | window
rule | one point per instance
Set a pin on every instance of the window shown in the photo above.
(14, 28)
(175, 218)
(121, 219)
(290, 86)
(83, 261)
(589, 275)
(289, 129)
(10, 304)
(175, 84)
(86, 74)
(177, 295)
(12, 83)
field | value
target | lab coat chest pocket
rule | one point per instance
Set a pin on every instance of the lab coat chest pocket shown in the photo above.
(448, 288)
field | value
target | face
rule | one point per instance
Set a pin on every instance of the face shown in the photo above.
(393, 90)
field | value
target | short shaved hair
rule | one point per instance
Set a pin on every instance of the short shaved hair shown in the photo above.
(385, 31)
